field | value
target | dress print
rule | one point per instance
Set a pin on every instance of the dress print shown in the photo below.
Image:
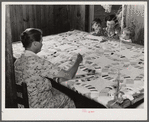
(32, 69)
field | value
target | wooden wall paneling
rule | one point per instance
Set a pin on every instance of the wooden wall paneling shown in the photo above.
(13, 22)
(19, 16)
(91, 16)
(34, 16)
(38, 16)
(55, 16)
(26, 16)
(21, 20)
(62, 18)
(82, 18)
(74, 16)
(66, 22)
(50, 19)
(43, 19)
(71, 16)
(10, 98)
(58, 18)
(78, 18)
(17, 21)
(68, 18)
(31, 16)
(87, 18)
(46, 19)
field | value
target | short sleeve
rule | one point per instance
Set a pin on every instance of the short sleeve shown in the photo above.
(47, 69)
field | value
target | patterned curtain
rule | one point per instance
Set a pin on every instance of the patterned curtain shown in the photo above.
(135, 17)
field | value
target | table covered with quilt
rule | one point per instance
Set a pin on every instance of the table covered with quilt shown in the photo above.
(111, 71)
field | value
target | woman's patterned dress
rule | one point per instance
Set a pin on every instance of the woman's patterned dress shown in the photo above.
(32, 70)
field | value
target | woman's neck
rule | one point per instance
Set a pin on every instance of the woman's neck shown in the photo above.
(110, 29)
(30, 49)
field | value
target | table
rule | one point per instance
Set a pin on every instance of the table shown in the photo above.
(104, 63)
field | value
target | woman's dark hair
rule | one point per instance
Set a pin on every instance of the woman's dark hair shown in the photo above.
(97, 20)
(111, 17)
(30, 35)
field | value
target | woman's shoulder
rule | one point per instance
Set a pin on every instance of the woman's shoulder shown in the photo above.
(27, 58)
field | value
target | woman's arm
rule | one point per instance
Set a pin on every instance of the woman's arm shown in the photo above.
(70, 73)
(47, 69)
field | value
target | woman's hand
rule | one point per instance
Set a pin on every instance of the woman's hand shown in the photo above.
(79, 58)
(102, 38)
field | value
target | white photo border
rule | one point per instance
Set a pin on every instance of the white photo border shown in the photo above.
(72, 114)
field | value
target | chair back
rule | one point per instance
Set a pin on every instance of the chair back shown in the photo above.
(22, 95)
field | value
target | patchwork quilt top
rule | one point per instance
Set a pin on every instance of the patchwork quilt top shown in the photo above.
(110, 70)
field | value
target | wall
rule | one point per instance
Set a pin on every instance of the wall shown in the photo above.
(10, 89)
(52, 19)
(135, 15)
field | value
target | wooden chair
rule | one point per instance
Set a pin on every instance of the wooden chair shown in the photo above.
(14, 59)
(22, 95)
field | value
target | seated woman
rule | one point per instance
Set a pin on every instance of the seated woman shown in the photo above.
(113, 29)
(33, 70)
(96, 27)
(127, 34)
